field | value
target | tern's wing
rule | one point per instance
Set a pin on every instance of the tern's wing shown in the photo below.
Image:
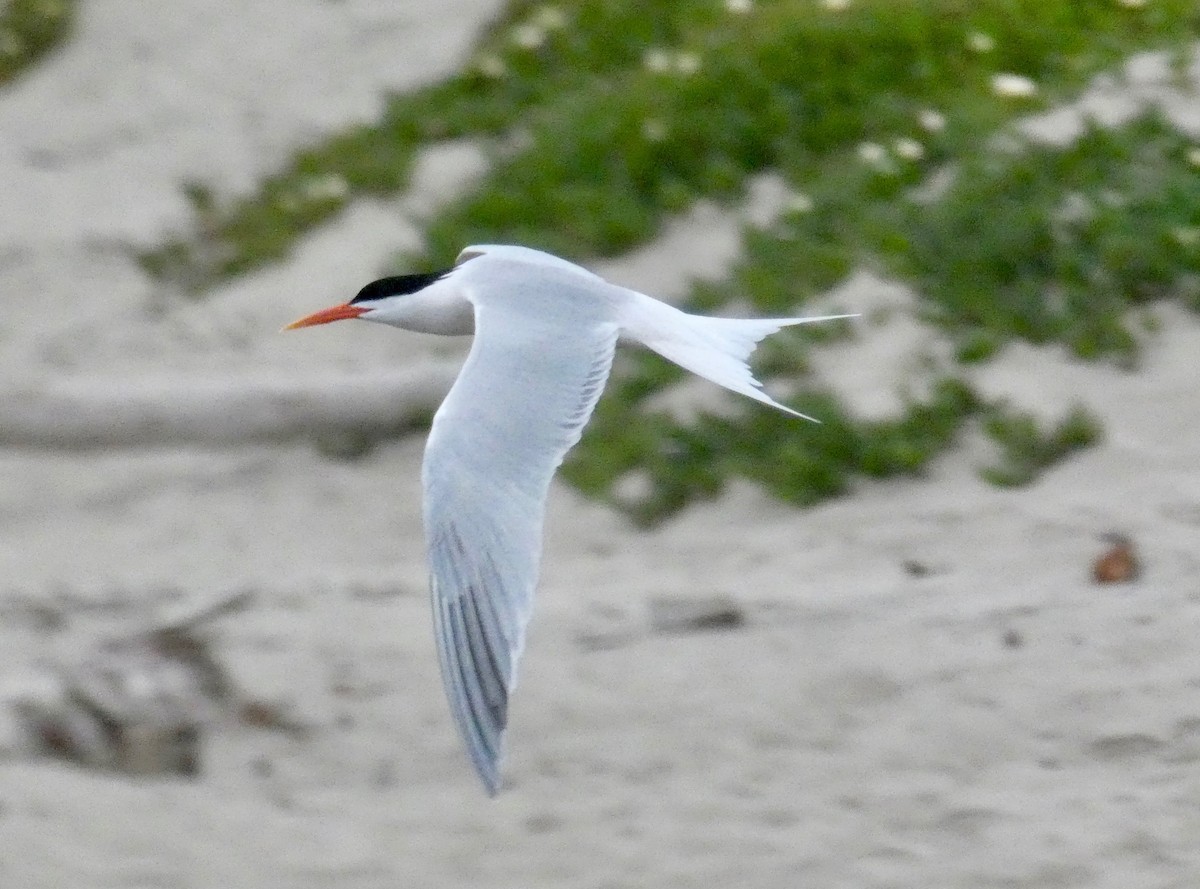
(528, 387)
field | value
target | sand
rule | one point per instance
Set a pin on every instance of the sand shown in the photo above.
(929, 689)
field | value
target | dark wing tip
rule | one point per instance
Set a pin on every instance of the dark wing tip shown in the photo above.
(491, 779)
(475, 680)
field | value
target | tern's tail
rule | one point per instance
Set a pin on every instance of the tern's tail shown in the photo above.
(714, 348)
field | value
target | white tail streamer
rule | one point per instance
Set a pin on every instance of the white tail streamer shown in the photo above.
(714, 348)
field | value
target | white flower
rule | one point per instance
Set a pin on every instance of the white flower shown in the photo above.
(551, 18)
(1131, 4)
(1076, 209)
(330, 187)
(1193, 156)
(908, 149)
(739, 7)
(872, 153)
(1186, 236)
(1013, 86)
(654, 130)
(659, 61)
(835, 5)
(491, 66)
(656, 59)
(529, 35)
(10, 44)
(932, 121)
(687, 63)
(979, 42)
(800, 203)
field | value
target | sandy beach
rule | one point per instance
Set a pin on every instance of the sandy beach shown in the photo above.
(929, 689)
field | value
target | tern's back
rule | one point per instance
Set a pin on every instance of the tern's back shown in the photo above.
(533, 286)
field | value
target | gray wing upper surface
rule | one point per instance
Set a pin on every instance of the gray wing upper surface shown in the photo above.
(535, 371)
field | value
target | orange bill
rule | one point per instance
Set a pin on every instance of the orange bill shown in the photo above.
(336, 313)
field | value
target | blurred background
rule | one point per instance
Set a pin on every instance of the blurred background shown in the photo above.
(946, 637)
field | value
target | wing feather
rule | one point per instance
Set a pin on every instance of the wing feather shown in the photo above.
(530, 383)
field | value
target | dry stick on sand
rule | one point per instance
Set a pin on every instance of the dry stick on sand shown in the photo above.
(77, 415)
(140, 703)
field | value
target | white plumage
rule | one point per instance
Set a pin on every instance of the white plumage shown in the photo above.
(545, 333)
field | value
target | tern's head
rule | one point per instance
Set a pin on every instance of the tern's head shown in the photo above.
(425, 302)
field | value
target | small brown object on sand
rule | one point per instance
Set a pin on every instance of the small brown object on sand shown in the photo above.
(1119, 563)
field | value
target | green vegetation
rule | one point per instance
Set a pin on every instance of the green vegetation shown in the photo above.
(28, 30)
(1038, 243)
(683, 463)
(1072, 241)
(605, 116)
(608, 114)
(1026, 450)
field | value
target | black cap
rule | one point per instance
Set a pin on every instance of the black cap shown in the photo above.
(396, 285)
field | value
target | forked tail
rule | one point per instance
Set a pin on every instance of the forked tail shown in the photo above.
(714, 348)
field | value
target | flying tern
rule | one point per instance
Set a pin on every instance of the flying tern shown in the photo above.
(545, 332)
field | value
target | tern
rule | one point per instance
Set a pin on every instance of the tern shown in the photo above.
(545, 332)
